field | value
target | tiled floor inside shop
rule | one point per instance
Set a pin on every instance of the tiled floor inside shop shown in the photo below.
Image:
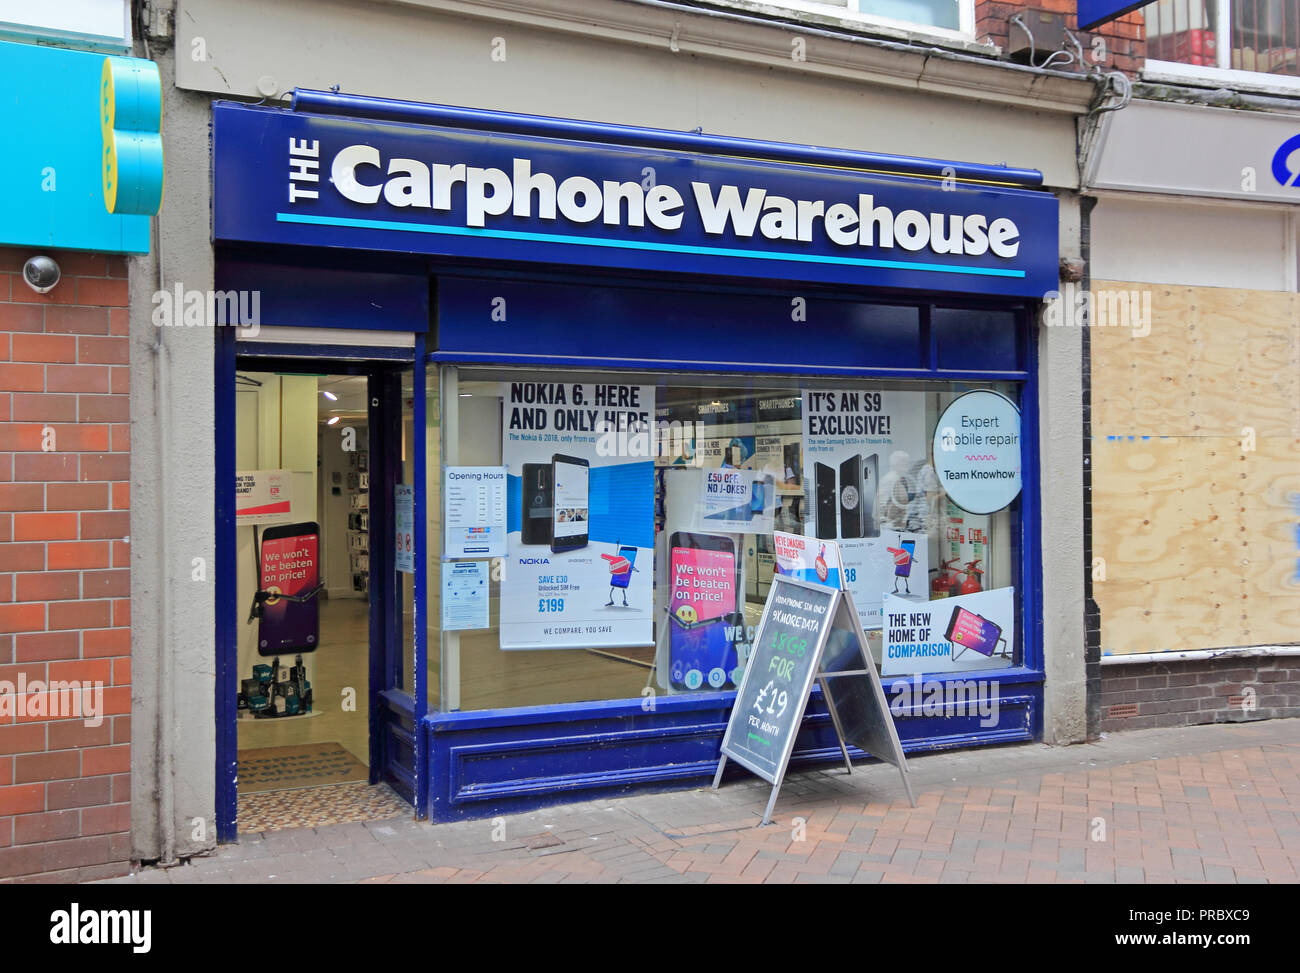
(319, 746)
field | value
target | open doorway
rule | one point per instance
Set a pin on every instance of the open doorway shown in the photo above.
(306, 645)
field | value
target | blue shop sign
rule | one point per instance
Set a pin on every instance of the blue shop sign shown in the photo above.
(1094, 13)
(285, 177)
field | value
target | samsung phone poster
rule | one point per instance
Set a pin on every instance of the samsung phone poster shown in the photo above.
(580, 533)
(868, 485)
(959, 634)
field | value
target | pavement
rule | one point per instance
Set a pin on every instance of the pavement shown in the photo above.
(1203, 804)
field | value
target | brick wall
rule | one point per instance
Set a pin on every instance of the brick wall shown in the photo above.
(65, 610)
(1184, 693)
(1121, 44)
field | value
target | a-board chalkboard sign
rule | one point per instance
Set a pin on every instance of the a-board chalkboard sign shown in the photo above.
(790, 652)
(854, 695)
(780, 672)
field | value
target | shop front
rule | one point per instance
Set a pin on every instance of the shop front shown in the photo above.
(598, 367)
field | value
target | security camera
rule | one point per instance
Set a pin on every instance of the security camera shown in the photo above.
(41, 274)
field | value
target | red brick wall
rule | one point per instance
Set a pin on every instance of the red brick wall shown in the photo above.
(1124, 39)
(65, 609)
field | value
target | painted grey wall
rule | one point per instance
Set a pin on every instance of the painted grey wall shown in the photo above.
(173, 753)
(1060, 443)
(727, 77)
(1177, 240)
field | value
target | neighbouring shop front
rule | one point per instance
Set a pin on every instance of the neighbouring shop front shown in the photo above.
(592, 368)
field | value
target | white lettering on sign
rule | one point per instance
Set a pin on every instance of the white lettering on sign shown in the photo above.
(304, 166)
(360, 175)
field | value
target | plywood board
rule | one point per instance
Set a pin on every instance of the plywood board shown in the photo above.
(1196, 471)
(1136, 375)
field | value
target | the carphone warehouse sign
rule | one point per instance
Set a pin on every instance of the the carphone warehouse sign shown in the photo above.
(297, 178)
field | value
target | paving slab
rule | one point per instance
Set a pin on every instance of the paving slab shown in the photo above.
(1202, 804)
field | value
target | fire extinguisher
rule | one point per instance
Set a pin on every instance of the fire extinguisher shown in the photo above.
(944, 583)
(972, 583)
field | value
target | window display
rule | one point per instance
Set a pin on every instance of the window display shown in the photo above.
(641, 511)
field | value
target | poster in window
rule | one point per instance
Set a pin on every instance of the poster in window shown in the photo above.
(955, 634)
(580, 515)
(868, 485)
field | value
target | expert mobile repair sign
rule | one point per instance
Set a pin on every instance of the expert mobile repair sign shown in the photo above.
(298, 178)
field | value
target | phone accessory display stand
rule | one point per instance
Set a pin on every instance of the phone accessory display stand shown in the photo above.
(359, 522)
(267, 696)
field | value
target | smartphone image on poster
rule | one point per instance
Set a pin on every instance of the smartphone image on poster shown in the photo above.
(702, 573)
(621, 579)
(764, 487)
(870, 484)
(972, 631)
(826, 501)
(570, 512)
(903, 566)
(851, 497)
(290, 565)
(536, 497)
(793, 462)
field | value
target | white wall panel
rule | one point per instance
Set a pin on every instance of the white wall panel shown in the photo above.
(1176, 241)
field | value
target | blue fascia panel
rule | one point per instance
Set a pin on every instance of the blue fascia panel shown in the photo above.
(291, 179)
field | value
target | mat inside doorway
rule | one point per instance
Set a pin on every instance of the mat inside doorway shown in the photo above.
(291, 768)
(317, 807)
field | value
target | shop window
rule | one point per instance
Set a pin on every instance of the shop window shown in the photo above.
(943, 15)
(632, 572)
(1261, 36)
(970, 340)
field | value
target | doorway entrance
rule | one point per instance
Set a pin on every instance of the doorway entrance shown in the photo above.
(322, 472)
